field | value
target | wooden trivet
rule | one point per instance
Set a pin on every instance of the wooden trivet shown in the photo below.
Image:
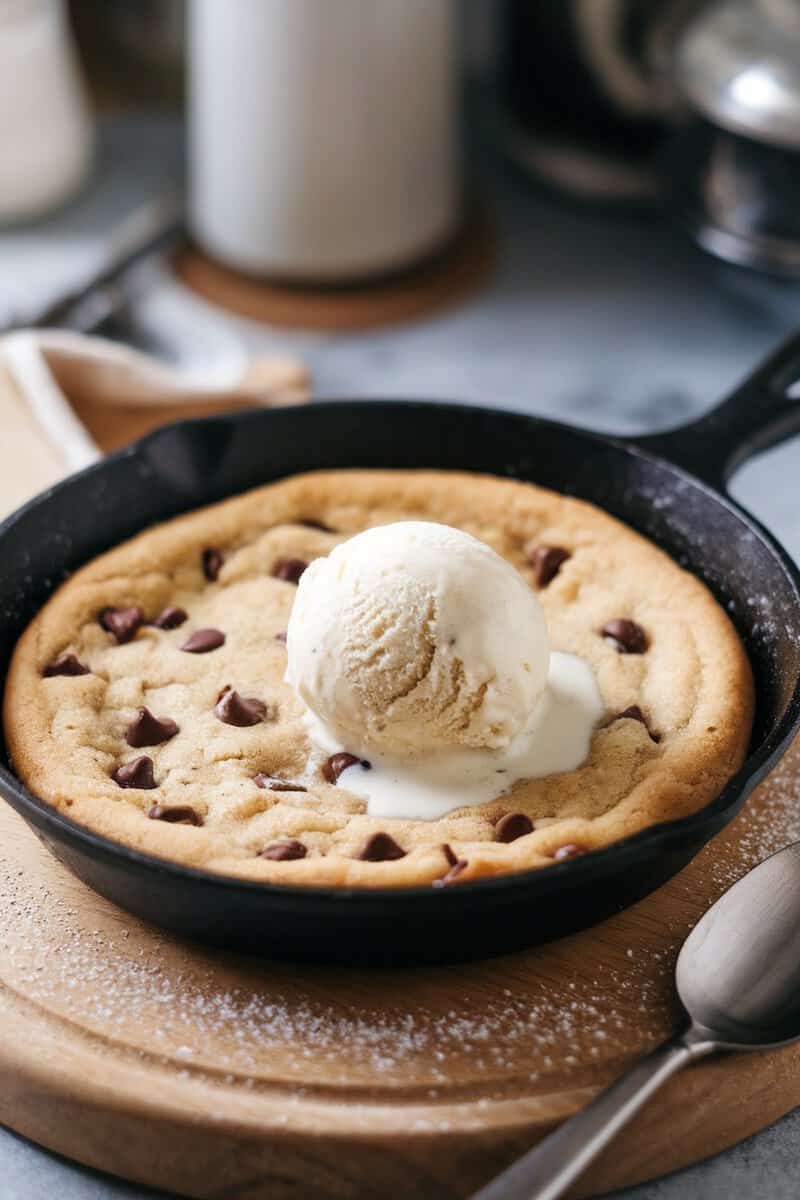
(438, 283)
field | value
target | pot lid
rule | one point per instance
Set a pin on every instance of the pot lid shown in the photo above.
(738, 65)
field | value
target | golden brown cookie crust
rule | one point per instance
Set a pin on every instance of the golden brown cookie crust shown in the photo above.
(66, 734)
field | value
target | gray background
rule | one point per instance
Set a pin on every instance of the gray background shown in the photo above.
(602, 319)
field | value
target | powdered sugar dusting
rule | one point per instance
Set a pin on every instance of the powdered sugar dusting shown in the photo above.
(308, 1027)
(513, 1026)
(770, 821)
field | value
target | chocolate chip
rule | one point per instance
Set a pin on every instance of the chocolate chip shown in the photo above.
(212, 563)
(273, 784)
(147, 730)
(170, 617)
(238, 710)
(634, 713)
(629, 637)
(178, 814)
(288, 851)
(380, 847)
(289, 569)
(135, 774)
(570, 850)
(458, 866)
(67, 664)
(547, 561)
(121, 623)
(203, 640)
(450, 854)
(332, 769)
(513, 826)
(281, 637)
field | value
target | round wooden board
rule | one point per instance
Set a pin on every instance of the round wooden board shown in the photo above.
(428, 287)
(215, 1075)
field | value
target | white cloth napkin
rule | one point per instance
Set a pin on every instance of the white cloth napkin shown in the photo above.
(42, 437)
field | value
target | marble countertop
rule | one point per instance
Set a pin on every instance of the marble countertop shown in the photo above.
(601, 319)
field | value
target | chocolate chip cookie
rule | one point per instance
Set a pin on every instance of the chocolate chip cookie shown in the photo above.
(147, 699)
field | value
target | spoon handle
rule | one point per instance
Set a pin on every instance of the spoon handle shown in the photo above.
(548, 1170)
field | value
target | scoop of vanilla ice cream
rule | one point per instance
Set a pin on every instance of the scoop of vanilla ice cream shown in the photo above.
(415, 637)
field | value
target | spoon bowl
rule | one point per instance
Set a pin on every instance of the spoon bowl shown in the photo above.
(738, 973)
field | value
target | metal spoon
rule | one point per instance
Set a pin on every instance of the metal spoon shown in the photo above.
(738, 977)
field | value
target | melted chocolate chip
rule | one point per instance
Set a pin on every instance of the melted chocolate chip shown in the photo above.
(380, 847)
(238, 710)
(634, 713)
(147, 730)
(628, 637)
(203, 640)
(170, 617)
(570, 850)
(178, 814)
(513, 826)
(288, 851)
(458, 866)
(121, 623)
(547, 561)
(212, 563)
(273, 784)
(67, 664)
(332, 769)
(135, 774)
(289, 569)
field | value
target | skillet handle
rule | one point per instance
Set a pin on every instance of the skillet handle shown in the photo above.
(762, 411)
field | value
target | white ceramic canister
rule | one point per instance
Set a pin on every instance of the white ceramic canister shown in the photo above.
(323, 134)
(45, 124)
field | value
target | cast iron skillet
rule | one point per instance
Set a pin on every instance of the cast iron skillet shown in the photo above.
(671, 487)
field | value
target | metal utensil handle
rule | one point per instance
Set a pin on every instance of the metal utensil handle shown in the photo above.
(154, 226)
(548, 1170)
(762, 411)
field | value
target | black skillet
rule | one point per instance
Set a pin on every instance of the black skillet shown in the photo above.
(670, 486)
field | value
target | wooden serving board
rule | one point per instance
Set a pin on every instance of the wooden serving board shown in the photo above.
(214, 1075)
